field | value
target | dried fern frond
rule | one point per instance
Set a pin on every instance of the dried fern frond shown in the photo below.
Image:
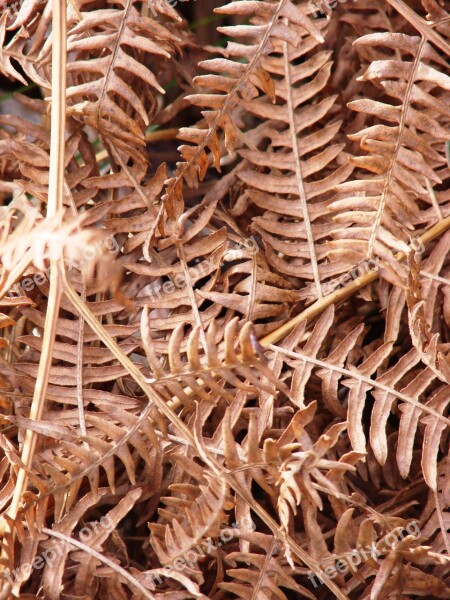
(238, 371)
(292, 180)
(107, 72)
(142, 285)
(237, 79)
(413, 93)
(261, 570)
(387, 390)
(195, 511)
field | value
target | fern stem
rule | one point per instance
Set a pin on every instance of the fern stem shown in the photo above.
(301, 185)
(424, 28)
(55, 195)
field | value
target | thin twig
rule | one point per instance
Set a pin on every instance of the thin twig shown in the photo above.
(109, 563)
(80, 355)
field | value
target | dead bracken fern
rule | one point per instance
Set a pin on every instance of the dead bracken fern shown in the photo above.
(225, 366)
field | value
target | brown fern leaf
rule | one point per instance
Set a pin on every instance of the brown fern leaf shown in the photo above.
(428, 345)
(207, 375)
(356, 20)
(107, 71)
(286, 227)
(237, 79)
(32, 20)
(293, 166)
(260, 572)
(94, 534)
(33, 162)
(300, 473)
(195, 511)
(114, 431)
(385, 392)
(383, 210)
(380, 544)
(435, 517)
(406, 383)
(196, 270)
(68, 463)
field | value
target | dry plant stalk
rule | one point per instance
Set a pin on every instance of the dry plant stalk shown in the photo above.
(225, 364)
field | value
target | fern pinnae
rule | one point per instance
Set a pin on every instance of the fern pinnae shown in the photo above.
(360, 384)
(264, 572)
(188, 529)
(301, 188)
(105, 114)
(242, 81)
(407, 161)
(279, 227)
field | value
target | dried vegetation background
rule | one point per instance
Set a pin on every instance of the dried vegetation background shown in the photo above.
(250, 327)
